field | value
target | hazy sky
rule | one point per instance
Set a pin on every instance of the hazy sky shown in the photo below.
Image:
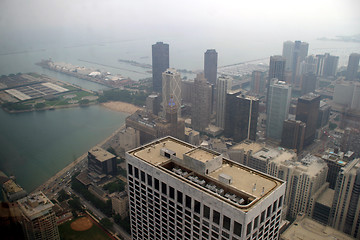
(140, 17)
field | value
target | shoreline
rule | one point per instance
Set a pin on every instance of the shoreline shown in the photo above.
(114, 106)
(68, 167)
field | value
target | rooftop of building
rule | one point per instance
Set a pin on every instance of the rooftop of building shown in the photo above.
(101, 154)
(326, 197)
(248, 97)
(35, 205)
(11, 187)
(244, 188)
(309, 97)
(279, 155)
(248, 146)
(171, 71)
(309, 229)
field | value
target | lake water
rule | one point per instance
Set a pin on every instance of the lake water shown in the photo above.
(36, 145)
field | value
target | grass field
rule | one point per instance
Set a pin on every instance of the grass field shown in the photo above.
(94, 233)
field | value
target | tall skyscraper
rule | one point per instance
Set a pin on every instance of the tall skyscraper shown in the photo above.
(223, 83)
(344, 214)
(241, 114)
(179, 191)
(294, 53)
(309, 65)
(210, 65)
(38, 220)
(277, 67)
(258, 82)
(353, 66)
(276, 70)
(171, 88)
(277, 108)
(327, 65)
(160, 62)
(288, 49)
(201, 106)
(307, 111)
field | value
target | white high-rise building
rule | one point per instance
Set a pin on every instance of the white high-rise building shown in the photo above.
(179, 191)
(277, 108)
(288, 49)
(224, 84)
(171, 88)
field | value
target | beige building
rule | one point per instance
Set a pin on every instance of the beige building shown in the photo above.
(308, 229)
(345, 212)
(129, 138)
(38, 217)
(120, 203)
(171, 89)
(303, 178)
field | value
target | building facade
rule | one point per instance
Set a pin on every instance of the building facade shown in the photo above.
(101, 161)
(277, 108)
(345, 210)
(293, 135)
(171, 89)
(258, 82)
(353, 66)
(38, 219)
(241, 115)
(210, 65)
(201, 105)
(307, 111)
(160, 62)
(327, 65)
(179, 191)
(223, 88)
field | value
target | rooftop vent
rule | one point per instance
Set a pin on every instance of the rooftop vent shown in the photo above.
(224, 178)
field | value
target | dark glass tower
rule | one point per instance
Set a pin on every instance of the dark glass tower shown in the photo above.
(307, 111)
(210, 65)
(241, 114)
(160, 62)
(353, 65)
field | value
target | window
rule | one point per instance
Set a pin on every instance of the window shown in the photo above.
(188, 201)
(142, 176)
(156, 184)
(179, 197)
(216, 217)
(149, 180)
(262, 216)
(206, 212)
(237, 228)
(280, 201)
(256, 222)
(163, 188)
(226, 222)
(274, 206)
(172, 192)
(130, 169)
(136, 172)
(248, 229)
(197, 206)
(268, 211)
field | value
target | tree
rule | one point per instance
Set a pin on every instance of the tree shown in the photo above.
(63, 196)
(332, 126)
